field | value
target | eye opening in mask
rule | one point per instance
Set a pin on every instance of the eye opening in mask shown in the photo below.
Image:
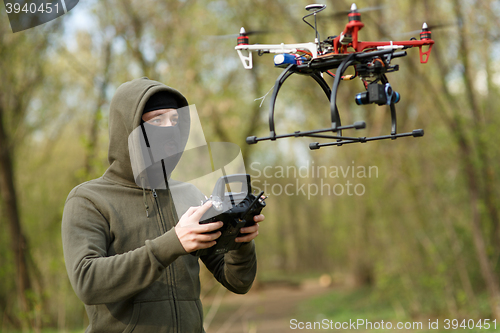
(162, 117)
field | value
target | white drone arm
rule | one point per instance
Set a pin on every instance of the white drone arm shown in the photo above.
(273, 48)
(245, 60)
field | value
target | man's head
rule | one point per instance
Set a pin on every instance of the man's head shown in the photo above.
(162, 117)
(161, 110)
(133, 139)
(162, 136)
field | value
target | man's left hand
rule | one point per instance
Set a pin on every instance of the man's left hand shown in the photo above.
(252, 231)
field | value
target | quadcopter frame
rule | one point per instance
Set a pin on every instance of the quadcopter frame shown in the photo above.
(315, 70)
(371, 61)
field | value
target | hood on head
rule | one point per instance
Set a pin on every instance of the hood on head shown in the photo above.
(125, 115)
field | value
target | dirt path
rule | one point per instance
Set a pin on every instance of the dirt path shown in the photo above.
(264, 309)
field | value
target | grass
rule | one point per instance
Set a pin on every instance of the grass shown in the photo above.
(348, 306)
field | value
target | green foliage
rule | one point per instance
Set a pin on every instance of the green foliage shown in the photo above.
(408, 236)
(351, 304)
(365, 304)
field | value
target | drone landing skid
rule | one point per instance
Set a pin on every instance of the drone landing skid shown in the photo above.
(315, 70)
(341, 140)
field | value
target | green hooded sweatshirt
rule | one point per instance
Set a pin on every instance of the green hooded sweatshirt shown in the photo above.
(126, 265)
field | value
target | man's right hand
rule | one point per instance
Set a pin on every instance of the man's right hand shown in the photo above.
(193, 235)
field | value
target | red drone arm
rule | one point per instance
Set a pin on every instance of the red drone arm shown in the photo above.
(349, 38)
(424, 55)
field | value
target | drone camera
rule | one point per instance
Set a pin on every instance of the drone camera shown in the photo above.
(378, 94)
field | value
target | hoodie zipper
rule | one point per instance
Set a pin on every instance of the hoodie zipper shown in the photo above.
(162, 221)
(169, 269)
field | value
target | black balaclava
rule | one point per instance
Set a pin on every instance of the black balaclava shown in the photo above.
(160, 100)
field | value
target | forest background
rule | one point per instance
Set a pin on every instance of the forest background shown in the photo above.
(424, 234)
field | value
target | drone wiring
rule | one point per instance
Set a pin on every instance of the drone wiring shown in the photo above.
(331, 74)
(348, 77)
(379, 61)
(305, 52)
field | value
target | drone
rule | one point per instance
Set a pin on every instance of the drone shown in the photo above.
(371, 62)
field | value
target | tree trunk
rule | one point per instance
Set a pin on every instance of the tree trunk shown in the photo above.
(18, 240)
(457, 129)
(476, 193)
(487, 191)
(96, 115)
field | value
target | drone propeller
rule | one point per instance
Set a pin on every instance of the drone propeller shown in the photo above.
(362, 10)
(430, 27)
(248, 33)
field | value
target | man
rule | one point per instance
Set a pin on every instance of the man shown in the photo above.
(125, 248)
